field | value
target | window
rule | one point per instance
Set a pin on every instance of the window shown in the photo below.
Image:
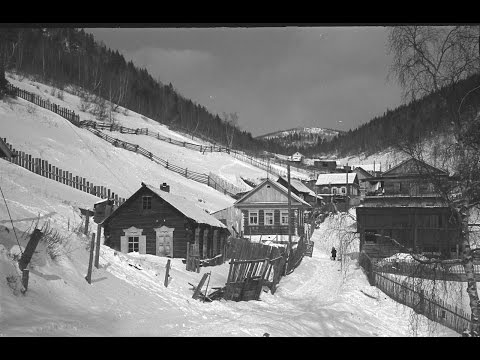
(284, 218)
(343, 190)
(396, 187)
(370, 236)
(325, 190)
(146, 202)
(334, 190)
(268, 217)
(253, 218)
(133, 244)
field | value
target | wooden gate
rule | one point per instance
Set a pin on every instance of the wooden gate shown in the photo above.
(246, 279)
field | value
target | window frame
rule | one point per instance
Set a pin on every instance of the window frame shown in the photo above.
(282, 212)
(265, 217)
(131, 241)
(146, 202)
(256, 212)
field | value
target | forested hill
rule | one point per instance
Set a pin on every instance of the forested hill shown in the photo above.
(417, 120)
(68, 56)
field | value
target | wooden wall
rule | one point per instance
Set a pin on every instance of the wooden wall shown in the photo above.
(161, 214)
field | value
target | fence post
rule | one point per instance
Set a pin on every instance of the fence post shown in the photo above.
(92, 249)
(97, 247)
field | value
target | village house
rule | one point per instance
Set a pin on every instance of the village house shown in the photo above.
(301, 190)
(367, 186)
(232, 218)
(297, 157)
(325, 166)
(333, 187)
(265, 212)
(410, 211)
(154, 221)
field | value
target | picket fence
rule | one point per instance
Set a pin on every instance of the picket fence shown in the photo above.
(437, 310)
(75, 119)
(44, 168)
(189, 174)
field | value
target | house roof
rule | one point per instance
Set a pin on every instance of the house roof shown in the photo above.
(187, 207)
(278, 186)
(336, 178)
(368, 167)
(299, 186)
(429, 168)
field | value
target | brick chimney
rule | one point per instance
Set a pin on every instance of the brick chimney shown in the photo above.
(165, 187)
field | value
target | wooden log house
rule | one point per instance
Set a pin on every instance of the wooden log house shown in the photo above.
(154, 221)
(265, 212)
(410, 211)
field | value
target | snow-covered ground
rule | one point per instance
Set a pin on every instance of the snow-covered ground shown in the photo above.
(321, 298)
(318, 299)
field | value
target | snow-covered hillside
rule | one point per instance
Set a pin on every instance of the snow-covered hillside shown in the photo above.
(44, 134)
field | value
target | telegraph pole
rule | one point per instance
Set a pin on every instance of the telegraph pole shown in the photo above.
(347, 169)
(289, 209)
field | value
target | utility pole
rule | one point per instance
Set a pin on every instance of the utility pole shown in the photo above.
(289, 209)
(347, 169)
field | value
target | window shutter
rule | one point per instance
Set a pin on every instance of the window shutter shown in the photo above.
(123, 244)
(142, 244)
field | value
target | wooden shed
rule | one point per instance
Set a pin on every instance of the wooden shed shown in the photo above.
(154, 221)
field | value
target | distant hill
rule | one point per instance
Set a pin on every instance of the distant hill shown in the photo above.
(300, 136)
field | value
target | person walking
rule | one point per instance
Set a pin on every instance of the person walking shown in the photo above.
(334, 253)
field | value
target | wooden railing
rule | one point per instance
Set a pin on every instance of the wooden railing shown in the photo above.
(44, 168)
(189, 174)
(436, 310)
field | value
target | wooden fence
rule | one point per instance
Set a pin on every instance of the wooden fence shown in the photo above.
(436, 310)
(254, 265)
(44, 168)
(75, 119)
(156, 135)
(46, 104)
(189, 174)
(445, 271)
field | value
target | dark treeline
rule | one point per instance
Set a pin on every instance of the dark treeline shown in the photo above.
(417, 120)
(68, 56)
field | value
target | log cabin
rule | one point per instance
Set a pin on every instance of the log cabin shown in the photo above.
(154, 221)
(265, 212)
(410, 211)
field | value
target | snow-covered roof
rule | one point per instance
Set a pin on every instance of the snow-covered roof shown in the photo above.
(300, 187)
(368, 167)
(278, 186)
(336, 178)
(187, 207)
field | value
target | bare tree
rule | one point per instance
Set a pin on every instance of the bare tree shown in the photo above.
(433, 60)
(231, 124)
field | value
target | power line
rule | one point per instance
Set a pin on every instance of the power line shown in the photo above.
(13, 227)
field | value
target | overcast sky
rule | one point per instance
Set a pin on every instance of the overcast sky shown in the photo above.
(274, 78)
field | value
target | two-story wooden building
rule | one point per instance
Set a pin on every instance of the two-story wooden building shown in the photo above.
(410, 211)
(265, 211)
(154, 221)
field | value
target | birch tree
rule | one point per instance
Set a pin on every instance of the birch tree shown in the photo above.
(433, 61)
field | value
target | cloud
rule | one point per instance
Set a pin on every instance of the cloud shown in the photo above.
(172, 65)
